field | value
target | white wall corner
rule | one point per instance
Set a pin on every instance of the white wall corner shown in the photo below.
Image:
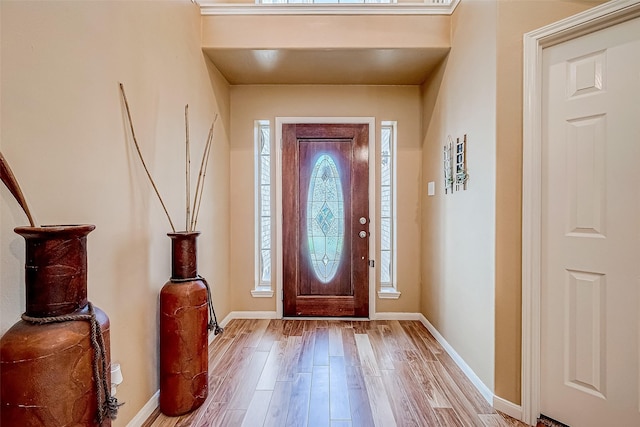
(475, 380)
(509, 408)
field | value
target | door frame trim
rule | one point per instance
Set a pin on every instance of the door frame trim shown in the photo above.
(589, 21)
(371, 121)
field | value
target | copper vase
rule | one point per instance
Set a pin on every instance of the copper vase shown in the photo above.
(47, 370)
(183, 331)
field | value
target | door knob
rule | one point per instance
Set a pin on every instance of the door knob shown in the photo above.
(363, 220)
(362, 234)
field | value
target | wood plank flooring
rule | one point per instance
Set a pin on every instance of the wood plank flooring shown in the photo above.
(332, 373)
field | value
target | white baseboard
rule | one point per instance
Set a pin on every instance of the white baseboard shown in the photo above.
(509, 408)
(498, 403)
(146, 411)
(250, 315)
(475, 380)
(396, 316)
(273, 315)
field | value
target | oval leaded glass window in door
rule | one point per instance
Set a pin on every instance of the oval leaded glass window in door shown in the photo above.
(325, 218)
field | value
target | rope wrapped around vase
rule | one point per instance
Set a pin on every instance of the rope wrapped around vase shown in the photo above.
(213, 320)
(109, 406)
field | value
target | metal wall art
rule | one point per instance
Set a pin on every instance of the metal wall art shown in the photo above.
(455, 168)
(462, 176)
(447, 166)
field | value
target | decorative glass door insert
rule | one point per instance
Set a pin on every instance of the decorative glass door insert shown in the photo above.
(325, 218)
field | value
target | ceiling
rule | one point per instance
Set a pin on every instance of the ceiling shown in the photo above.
(338, 44)
(360, 66)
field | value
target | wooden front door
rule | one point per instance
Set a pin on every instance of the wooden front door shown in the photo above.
(325, 224)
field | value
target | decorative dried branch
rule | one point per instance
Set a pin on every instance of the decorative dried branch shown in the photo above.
(201, 175)
(187, 168)
(199, 183)
(9, 179)
(135, 141)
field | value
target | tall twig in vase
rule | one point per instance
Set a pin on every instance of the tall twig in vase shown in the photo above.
(201, 175)
(135, 141)
(187, 168)
(9, 179)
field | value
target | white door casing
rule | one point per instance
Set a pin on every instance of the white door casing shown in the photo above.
(590, 248)
(579, 164)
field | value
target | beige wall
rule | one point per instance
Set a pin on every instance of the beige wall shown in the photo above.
(458, 229)
(515, 17)
(65, 134)
(479, 303)
(325, 31)
(250, 103)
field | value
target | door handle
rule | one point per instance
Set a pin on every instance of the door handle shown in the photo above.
(362, 234)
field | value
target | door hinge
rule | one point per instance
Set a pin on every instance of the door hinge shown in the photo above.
(372, 263)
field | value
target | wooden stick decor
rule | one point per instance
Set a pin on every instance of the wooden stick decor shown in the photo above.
(203, 170)
(185, 300)
(135, 142)
(192, 209)
(188, 166)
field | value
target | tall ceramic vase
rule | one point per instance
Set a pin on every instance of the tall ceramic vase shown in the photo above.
(183, 331)
(48, 362)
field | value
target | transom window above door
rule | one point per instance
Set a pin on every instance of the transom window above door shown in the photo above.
(428, 2)
(323, 1)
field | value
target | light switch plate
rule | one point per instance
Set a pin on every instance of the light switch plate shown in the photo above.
(431, 188)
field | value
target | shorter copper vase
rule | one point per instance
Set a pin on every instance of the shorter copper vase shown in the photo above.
(183, 331)
(47, 370)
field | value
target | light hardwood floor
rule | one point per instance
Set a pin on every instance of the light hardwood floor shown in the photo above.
(334, 373)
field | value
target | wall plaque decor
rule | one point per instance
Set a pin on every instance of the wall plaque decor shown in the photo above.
(461, 175)
(447, 166)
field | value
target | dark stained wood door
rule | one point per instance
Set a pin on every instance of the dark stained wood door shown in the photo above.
(325, 224)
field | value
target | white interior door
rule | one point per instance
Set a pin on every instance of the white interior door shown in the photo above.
(590, 248)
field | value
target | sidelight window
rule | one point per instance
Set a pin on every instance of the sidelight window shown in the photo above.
(388, 210)
(263, 209)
